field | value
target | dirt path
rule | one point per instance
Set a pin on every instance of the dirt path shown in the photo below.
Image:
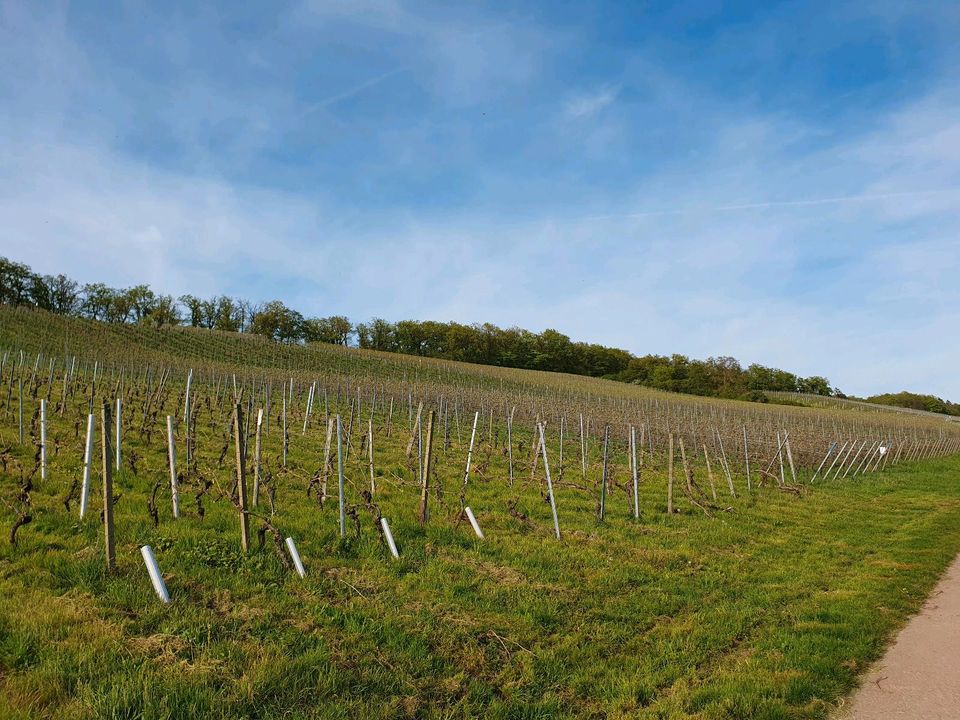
(919, 676)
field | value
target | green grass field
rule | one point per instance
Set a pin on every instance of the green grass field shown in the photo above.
(769, 607)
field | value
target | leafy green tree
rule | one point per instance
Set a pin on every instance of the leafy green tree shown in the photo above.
(141, 300)
(194, 307)
(278, 322)
(15, 282)
(97, 300)
(64, 294)
(815, 385)
(164, 312)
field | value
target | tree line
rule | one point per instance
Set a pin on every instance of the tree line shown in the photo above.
(486, 344)
(930, 403)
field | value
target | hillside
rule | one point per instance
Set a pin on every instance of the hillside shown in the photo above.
(671, 562)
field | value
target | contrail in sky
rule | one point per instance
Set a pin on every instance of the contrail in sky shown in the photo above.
(356, 90)
(778, 203)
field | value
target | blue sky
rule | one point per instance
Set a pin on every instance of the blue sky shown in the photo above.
(775, 181)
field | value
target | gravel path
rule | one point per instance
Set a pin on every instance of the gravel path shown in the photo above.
(919, 677)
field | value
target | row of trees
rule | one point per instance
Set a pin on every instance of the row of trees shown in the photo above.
(19, 285)
(486, 344)
(930, 403)
(719, 376)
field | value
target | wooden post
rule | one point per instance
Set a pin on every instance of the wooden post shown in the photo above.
(241, 476)
(670, 477)
(424, 513)
(108, 537)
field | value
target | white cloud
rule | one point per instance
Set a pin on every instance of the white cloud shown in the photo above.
(587, 105)
(721, 253)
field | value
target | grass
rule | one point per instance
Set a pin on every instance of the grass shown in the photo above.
(770, 610)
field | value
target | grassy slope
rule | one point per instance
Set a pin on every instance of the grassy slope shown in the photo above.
(767, 611)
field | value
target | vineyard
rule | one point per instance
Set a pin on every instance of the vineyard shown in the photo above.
(207, 524)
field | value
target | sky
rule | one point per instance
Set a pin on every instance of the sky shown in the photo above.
(776, 181)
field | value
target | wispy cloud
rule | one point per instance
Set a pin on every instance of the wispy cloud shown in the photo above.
(586, 105)
(464, 181)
